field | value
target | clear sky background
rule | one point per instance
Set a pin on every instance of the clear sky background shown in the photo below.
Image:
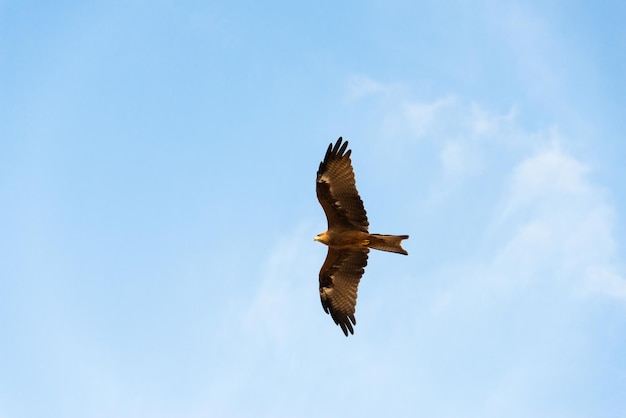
(158, 209)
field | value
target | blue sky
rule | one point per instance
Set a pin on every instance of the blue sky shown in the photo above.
(157, 168)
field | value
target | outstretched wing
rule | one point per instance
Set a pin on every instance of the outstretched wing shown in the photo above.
(336, 190)
(339, 282)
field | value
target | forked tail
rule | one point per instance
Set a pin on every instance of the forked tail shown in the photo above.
(391, 243)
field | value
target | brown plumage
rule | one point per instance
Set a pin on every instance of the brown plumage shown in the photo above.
(347, 236)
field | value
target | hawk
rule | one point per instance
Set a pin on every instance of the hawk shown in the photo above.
(347, 236)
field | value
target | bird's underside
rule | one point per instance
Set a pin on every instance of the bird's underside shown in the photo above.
(347, 236)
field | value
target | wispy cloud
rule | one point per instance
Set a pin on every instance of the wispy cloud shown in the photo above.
(288, 277)
(360, 86)
(548, 213)
(562, 223)
(422, 118)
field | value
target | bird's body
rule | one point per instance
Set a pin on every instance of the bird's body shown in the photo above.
(344, 239)
(347, 236)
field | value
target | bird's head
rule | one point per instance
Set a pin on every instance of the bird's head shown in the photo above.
(323, 238)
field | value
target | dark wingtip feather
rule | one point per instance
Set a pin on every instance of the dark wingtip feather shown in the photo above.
(334, 152)
(342, 149)
(339, 148)
(345, 327)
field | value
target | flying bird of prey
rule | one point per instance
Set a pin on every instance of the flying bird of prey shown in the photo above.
(347, 237)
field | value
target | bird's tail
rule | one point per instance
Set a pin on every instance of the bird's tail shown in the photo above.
(391, 243)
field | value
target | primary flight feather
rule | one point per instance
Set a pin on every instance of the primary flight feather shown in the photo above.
(347, 236)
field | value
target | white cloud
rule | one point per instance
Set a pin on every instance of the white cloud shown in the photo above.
(487, 124)
(549, 174)
(550, 220)
(562, 223)
(459, 158)
(422, 118)
(452, 157)
(359, 87)
(275, 313)
(607, 281)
